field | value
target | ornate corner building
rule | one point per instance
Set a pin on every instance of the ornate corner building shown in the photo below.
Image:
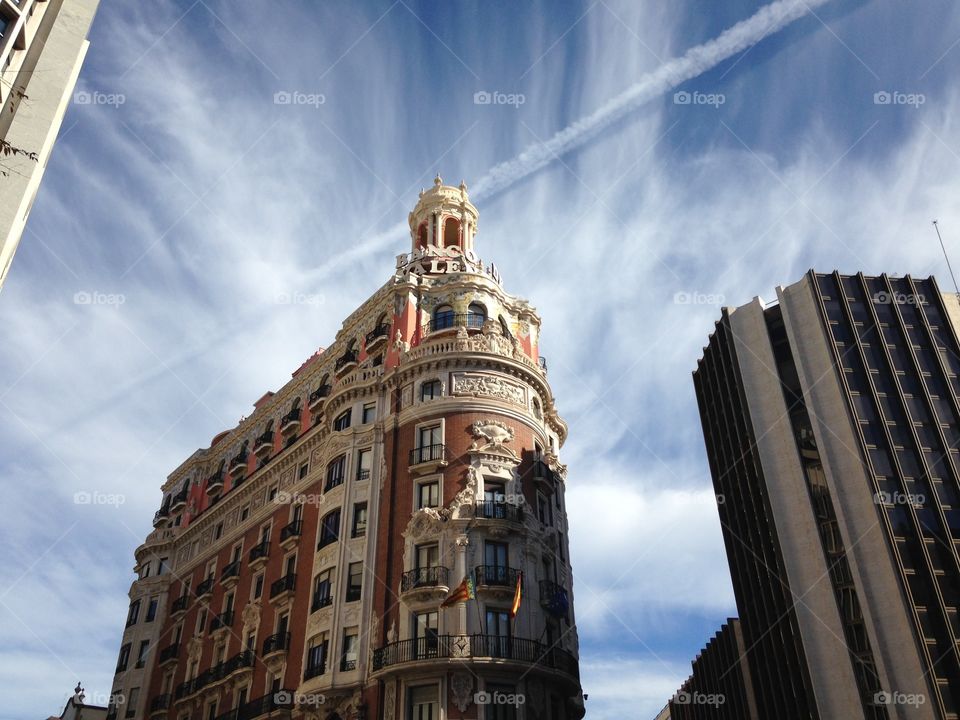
(299, 564)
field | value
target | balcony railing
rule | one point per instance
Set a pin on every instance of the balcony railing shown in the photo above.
(215, 481)
(180, 604)
(321, 601)
(499, 510)
(347, 665)
(450, 320)
(458, 647)
(170, 652)
(319, 394)
(428, 453)
(334, 480)
(345, 360)
(363, 474)
(380, 332)
(313, 671)
(280, 700)
(290, 419)
(264, 442)
(260, 552)
(205, 587)
(276, 643)
(160, 702)
(180, 498)
(424, 577)
(291, 530)
(222, 621)
(230, 570)
(238, 463)
(162, 513)
(499, 575)
(283, 585)
(243, 659)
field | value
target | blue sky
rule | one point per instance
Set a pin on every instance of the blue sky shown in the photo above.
(200, 201)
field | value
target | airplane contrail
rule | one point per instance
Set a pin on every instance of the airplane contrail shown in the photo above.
(767, 21)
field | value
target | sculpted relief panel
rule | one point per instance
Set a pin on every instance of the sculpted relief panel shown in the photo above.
(492, 386)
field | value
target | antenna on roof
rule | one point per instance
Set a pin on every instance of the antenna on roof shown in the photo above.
(949, 267)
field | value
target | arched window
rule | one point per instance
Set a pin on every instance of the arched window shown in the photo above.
(443, 317)
(476, 315)
(329, 528)
(537, 411)
(451, 232)
(422, 235)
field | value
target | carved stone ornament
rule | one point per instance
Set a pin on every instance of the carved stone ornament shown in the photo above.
(462, 686)
(489, 386)
(194, 648)
(399, 344)
(390, 701)
(463, 502)
(251, 616)
(494, 432)
(423, 521)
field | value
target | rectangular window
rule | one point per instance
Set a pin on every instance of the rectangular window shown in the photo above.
(335, 473)
(316, 657)
(322, 590)
(425, 626)
(329, 529)
(124, 658)
(342, 421)
(244, 512)
(152, 609)
(429, 436)
(303, 470)
(142, 653)
(364, 462)
(428, 494)
(427, 556)
(132, 701)
(348, 660)
(134, 613)
(218, 531)
(430, 390)
(354, 581)
(359, 520)
(369, 413)
(272, 493)
(424, 702)
(201, 621)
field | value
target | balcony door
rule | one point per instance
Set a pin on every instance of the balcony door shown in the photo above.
(427, 437)
(427, 557)
(495, 558)
(493, 498)
(426, 638)
(498, 633)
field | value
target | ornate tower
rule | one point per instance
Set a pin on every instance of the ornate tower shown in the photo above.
(310, 550)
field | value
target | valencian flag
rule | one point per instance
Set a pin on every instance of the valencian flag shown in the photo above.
(516, 596)
(461, 593)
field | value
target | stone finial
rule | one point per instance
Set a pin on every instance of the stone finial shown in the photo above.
(438, 181)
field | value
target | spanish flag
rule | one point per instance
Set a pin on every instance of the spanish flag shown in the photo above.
(517, 594)
(461, 593)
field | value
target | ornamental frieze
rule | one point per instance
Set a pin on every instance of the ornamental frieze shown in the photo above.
(492, 386)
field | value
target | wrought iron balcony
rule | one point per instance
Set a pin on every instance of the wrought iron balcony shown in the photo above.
(334, 480)
(346, 360)
(363, 474)
(170, 652)
(215, 481)
(259, 553)
(163, 513)
(321, 601)
(222, 621)
(377, 335)
(290, 533)
(425, 577)
(160, 702)
(347, 665)
(265, 705)
(477, 647)
(283, 586)
(451, 320)
(231, 571)
(313, 671)
(428, 453)
(180, 499)
(205, 587)
(318, 396)
(263, 444)
(243, 659)
(290, 421)
(499, 510)
(496, 575)
(278, 642)
(180, 604)
(238, 464)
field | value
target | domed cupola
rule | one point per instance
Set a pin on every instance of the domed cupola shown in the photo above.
(444, 217)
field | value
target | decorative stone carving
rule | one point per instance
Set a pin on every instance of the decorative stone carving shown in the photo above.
(464, 501)
(424, 521)
(494, 432)
(390, 701)
(392, 633)
(251, 616)
(399, 344)
(490, 386)
(194, 648)
(461, 684)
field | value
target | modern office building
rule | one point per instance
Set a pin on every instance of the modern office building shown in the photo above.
(831, 427)
(299, 564)
(42, 46)
(720, 687)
